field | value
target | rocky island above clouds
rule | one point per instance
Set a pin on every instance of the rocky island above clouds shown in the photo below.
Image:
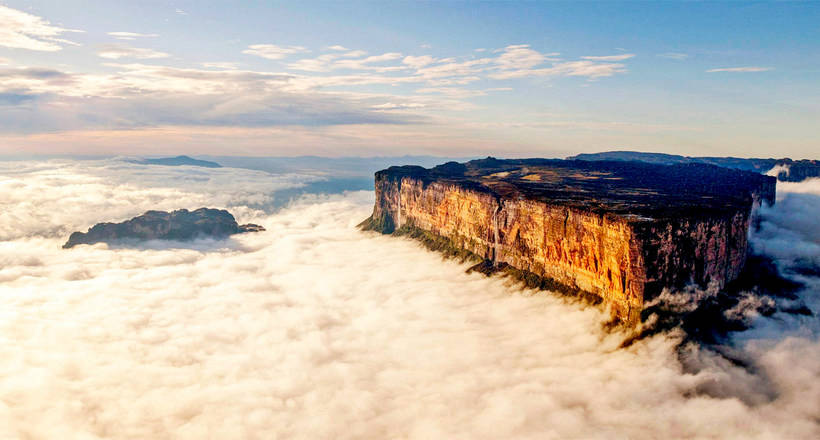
(179, 225)
(620, 231)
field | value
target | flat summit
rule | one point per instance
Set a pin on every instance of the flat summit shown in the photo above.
(179, 225)
(606, 187)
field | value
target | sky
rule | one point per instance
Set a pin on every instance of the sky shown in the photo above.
(509, 79)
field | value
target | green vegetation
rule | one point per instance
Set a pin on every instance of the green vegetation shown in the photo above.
(382, 223)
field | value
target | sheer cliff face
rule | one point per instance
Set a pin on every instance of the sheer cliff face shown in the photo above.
(623, 258)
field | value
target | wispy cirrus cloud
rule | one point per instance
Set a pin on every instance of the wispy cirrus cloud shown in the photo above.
(340, 87)
(397, 106)
(585, 68)
(131, 35)
(21, 30)
(621, 57)
(350, 60)
(220, 65)
(272, 51)
(743, 69)
(117, 51)
(674, 55)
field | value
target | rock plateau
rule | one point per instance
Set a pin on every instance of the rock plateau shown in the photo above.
(179, 225)
(618, 231)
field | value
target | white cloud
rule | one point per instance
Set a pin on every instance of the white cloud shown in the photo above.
(448, 68)
(272, 51)
(4, 61)
(322, 63)
(117, 51)
(622, 57)
(789, 228)
(314, 329)
(354, 54)
(519, 57)
(741, 69)
(139, 95)
(21, 30)
(589, 69)
(418, 61)
(338, 48)
(351, 60)
(221, 65)
(131, 35)
(366, 63)
(397, 106)
(674, 55)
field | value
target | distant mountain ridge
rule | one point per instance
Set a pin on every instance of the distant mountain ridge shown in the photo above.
(785, 169)
(177, 161)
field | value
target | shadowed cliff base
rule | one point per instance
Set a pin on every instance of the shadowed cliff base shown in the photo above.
(450, 249)
(707, 317)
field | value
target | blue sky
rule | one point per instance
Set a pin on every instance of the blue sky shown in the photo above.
(387, 78)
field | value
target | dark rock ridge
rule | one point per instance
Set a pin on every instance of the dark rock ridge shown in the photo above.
(179, 225)
(788, 170)
(178, 161)
(620, 232)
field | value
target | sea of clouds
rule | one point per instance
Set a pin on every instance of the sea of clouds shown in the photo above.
(314, 329)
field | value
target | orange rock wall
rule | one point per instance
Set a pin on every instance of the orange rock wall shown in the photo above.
(622, 261)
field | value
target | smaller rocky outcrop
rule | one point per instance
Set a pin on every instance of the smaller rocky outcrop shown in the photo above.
(179, 225)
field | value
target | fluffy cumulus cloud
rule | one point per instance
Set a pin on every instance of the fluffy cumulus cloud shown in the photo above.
(314, 329)
(21, 30)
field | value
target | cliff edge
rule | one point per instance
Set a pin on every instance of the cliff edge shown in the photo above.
(620, 232)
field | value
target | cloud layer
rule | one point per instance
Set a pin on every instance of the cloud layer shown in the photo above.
(313, 329)
(21, 30)
(337, 86)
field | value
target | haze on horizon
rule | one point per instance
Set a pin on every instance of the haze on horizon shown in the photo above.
(389, 79)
